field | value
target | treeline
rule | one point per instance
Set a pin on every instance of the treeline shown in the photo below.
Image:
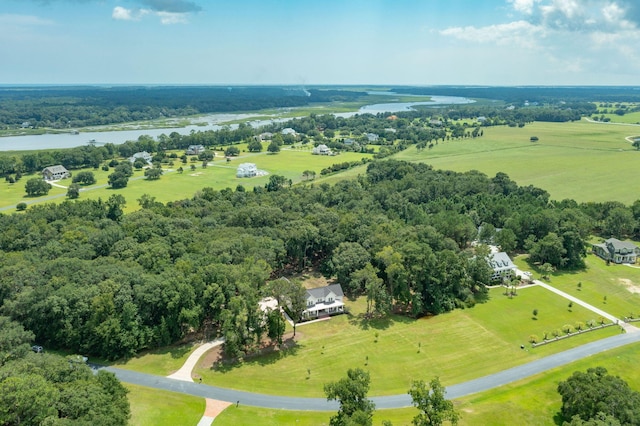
(40, 388)
(85, 276)
(542, 94)
(71, 107)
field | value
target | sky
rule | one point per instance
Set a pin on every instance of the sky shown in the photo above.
(312, 42)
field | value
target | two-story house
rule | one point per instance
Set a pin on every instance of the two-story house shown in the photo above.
(324, 301)
(617, 251)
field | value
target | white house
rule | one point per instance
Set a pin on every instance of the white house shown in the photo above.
(265, 136)
(195, 149)
(144, 155)
(503, 267)
(323, 301)
(372, 137)
(289, 131)
(321, 150)
(246, 170)
(55, 173)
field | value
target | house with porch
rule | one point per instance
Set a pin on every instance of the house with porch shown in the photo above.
(614, 250)
(195, 150)
(503, 267)
(55, 173)
(323, 301)
(148, 158)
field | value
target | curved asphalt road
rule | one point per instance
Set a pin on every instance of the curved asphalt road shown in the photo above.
(382, 402)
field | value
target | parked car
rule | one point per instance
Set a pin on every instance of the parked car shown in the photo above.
(37, 349)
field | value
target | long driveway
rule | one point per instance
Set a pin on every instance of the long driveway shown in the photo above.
(392, 401)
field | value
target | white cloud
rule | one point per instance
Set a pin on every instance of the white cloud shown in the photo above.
(166, 18)
(524, 6)
(172, 18)
(521, 33)
(122, 14)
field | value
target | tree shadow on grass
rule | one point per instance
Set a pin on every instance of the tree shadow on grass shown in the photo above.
(266, 355)
(365, 322)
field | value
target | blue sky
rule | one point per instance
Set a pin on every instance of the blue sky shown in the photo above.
(422, 42)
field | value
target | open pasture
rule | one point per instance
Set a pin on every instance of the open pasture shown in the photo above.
(583, 161)
(620, 284)
(405, 349)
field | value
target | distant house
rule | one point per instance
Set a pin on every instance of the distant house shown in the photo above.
(481, 119)
(195, 150)
(144, 155)
(349, 141)
(372, 137)
(617, 251)
(26, 124)
(289, 131)
(323, 301)
(55, 173)
(246, 170)
(435, 122)
(503, 267)
(321, 149)
(265, 136)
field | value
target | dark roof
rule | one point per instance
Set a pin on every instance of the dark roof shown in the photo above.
(55, 169)
(619, 245)
(322, 292)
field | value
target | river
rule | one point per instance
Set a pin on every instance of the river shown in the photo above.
(208, 122)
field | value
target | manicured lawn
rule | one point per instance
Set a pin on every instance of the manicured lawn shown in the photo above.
(161, 362)
(535, 401)
(532, 401)
(599, 280)
(570, 160)
(155, 407)
(245, 415)
(489, 334)
(219, 174)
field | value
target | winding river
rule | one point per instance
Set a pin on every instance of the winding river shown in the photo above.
(209, 122)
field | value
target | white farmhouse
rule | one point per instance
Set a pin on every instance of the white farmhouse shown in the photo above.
(321, 150)
(246, 170)
(324, 301)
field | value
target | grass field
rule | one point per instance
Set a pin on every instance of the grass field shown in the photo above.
(619, 283)
(583, 161)
(219, 174)
(161, 362)
(532, 401)
(490, 334)
(153, 407)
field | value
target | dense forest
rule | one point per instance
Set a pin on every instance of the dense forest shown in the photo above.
(541, 94)
(39, 388)
(84, 276)
(72, 107)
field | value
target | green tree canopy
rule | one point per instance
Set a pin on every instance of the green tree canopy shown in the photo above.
(430, 401)
(36, 187)
(351, 393)
(591, 394)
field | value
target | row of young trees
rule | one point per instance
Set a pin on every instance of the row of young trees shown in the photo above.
(84, 275)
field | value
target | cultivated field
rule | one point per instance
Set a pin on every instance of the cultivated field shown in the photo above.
(582, 160)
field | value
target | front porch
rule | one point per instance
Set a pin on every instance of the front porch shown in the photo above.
(323, 308)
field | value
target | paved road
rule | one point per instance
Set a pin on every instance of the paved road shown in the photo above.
(392, 401)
